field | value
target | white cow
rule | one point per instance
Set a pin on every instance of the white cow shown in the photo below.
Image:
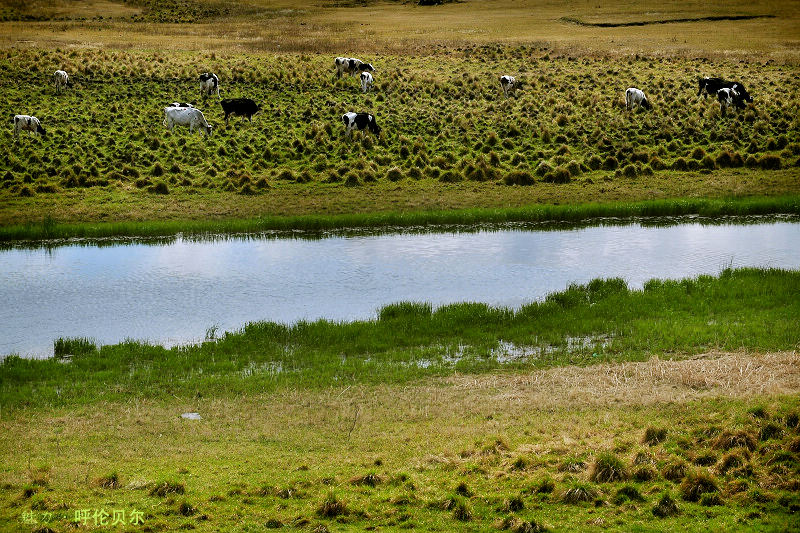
(60, 78)
(366, 81)
(28, 123)
(209, 82)
(509, 84)
(186, 116)
(636, 97)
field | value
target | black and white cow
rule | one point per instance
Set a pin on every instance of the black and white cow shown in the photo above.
(186, 116)
(60, 79)
(366, 81)
(636, 97)
(360, 121)
(711, 86)
(509, 84)
(351, 66)
(243, 107)
(180, 104)
(28, 123)
(209, 83)
(730, 97)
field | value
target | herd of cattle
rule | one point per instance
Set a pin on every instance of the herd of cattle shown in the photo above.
(728, 93)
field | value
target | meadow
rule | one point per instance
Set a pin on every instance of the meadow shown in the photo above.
(674, 407)
(449, 140)
(557, 416)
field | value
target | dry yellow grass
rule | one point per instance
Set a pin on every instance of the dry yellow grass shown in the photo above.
(561, 402)
(394, 27)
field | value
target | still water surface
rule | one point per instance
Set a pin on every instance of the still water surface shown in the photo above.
(173, 293)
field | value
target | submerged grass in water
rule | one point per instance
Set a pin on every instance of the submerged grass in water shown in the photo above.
(748, 308)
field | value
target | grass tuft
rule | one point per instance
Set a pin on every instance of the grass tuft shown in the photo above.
(628, 493)
(332, 507)
(735, 439)
(110, 481)
(696, 483)
(166, 487)
(608, 468)
(579, 492)
(653, 436)
(666, 507)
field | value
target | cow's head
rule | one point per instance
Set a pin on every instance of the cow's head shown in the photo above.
(366, 67)
(373, 126)
(40, 131)
(208, 130)
(743, 95)
(646, 104)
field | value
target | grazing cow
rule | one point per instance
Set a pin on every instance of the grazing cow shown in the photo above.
(509, 84)
(28, 123)
(60, 78)
(186, 116)
(711, 86)
(729, 97)
(636, 97)
(180, 104)
(360, 121)
(243, 107)
(209, 83)
(351, 66)
(366, 81)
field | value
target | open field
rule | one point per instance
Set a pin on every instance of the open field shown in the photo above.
(431, 420)
(595, 449)
(350, 27)
(449, 139)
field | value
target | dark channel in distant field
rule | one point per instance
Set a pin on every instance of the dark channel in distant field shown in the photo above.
(174, 292)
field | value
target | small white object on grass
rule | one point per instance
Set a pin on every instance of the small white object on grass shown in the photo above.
(192, 416)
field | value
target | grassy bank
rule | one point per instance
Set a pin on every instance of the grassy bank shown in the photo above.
(49, 229)
(600, 321)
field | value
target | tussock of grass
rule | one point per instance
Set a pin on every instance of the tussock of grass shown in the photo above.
(666, 507)
(644, 473)
(735, 439)
(109, 481)
(166, 487)
(608, 468)
(628, 493)
(578, 492)
(696, 484)
(572, 464)
(513, 504)
(653, 436)
(463, 490)
(71, 347)
(332, 507)
(186, 509)
(370, 479)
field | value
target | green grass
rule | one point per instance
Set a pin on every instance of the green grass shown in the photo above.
(449, 138)
(48, 229)
(411, 341)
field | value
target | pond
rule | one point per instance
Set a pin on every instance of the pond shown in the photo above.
(176, 291)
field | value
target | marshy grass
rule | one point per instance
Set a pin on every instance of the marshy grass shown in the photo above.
(385, 350)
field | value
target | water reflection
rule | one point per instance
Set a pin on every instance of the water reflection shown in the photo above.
(174, 290)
